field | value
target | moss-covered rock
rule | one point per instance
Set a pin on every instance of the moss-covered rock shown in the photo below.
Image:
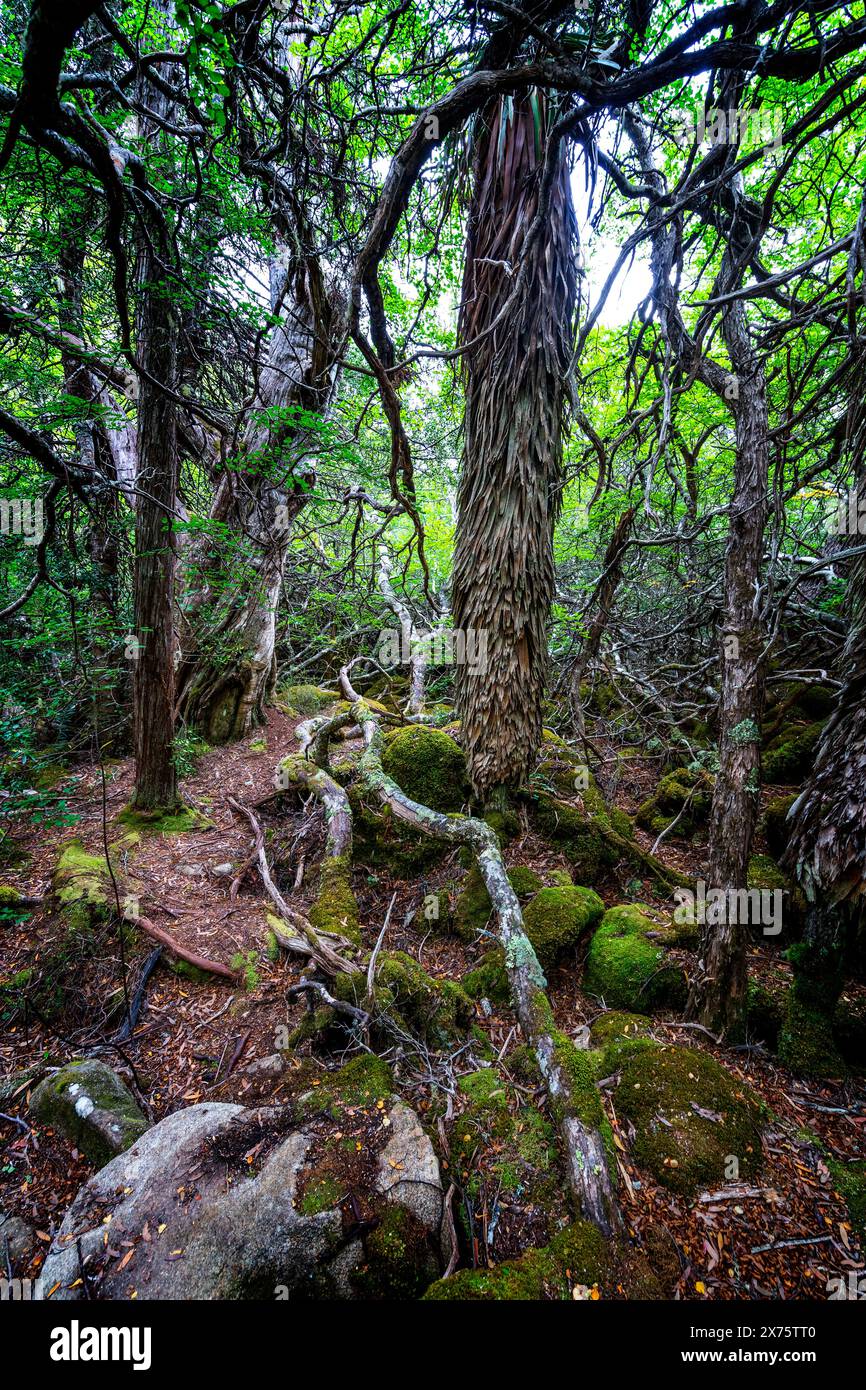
(683, 785)
(82, 886)
(89, 1103)
(764, 873)
(690, 1117)
(617, 1034)
(579, 832)
(436, 1011)
(789, 755)
(307, 699)
(626, 965)
(398, 1261)
(557, 918)
(363, 1081)
(775, 824)
(182, 821)
(428, 766)
(473, 908)
(576, 1257)
(10, 898)
(488, 979)
(381, 841)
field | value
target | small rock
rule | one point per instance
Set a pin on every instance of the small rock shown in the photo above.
(16, 1237)
(223, 870)
(191, 870)
(89, 1103)
(266, 1068)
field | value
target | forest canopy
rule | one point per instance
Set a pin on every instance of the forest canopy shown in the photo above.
(433, 595)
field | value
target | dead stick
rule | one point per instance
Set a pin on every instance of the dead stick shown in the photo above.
(191, 957)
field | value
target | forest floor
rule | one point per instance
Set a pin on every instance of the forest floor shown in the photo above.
(781, 1237)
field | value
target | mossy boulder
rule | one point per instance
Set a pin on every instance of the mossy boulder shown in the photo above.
(788, 757)
(617, 1034)
(557, 918)
(688, 788)
(473, 908)
(10, 898)
(307, 699)
(577, 1257)
(488, 979)
(428, 766)
(83, 888)
(438, 1012)
(764, 873)
(691, 1118)
(88, 1102)
(775, 824)
(381, 841)
(578, 831)
(626, 965)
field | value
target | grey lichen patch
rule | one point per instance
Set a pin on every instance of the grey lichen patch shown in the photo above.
(520, 955)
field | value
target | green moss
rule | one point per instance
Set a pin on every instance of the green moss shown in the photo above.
(308, 699)
(321, 1192)
(399, 1263)
(10, 898)
(578, 832)
(690, 1117)
(790, 754)
(578, 1255)
(621, 823)
(428, 766)
(247, 964)
(336, 908)
(764, 872)
(177, 822)
(694, 786)
(557, 918)
(361, 1082)
(473, 909)
(626, 967)
(435, 1011)
(381, 841)
(850, 1181)
(272, 946)
(775, 824)
(617, 1034)
(806, 1041)
(560, 878)
(82, 885)
(488, 979)
(484, 1090)
(189, 972)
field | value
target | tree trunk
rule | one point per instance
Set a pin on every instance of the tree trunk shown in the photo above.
(827, 852)
(602, 599)
(509, 493)
(230, 616)
(156, 510)
(718, 993)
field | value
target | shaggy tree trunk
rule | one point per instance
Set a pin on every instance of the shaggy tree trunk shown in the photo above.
(509, 493)
(826, 852)
(230, 615)
(718, 993)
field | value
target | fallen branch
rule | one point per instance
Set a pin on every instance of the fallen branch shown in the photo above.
(212, 967)
(315, 944)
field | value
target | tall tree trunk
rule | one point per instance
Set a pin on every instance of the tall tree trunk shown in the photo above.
(509, 495)
(230, 615)
(153, 688)
(718, 993)
(826, 852)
